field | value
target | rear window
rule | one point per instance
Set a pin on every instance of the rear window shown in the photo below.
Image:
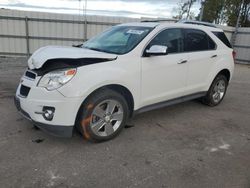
(223, 38)
(197, 40)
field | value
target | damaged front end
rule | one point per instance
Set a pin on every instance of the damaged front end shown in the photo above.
(52, 58)
(37, 97)
(67, 63)
(57, 65)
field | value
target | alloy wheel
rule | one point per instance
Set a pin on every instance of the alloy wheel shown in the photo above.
(106, 117)
(219, 91)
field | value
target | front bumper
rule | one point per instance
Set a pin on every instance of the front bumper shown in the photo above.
(55, 130)
(31, 107)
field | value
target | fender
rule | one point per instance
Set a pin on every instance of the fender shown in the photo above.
(224, 63)
(90, 78)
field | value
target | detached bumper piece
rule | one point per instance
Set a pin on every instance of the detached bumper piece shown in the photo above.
(55, 130)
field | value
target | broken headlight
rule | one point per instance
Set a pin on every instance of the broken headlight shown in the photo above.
(56, 79)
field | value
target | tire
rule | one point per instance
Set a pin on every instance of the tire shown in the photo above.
(102, 116)
(217, 91)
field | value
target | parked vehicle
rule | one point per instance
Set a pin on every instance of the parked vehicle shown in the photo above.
(128, 69)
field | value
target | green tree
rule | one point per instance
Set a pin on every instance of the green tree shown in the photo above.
(227, 11)
(214, 11)
(234, 8)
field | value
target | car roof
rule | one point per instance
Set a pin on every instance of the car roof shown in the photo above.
(173, 25)
(142, 24)
(197, 23)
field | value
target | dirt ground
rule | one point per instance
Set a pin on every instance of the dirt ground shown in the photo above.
(186, 145)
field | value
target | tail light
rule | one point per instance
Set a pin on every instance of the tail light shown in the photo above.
(234, 55)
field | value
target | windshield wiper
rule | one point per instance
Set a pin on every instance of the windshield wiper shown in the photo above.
(77, 45)
(97, 49)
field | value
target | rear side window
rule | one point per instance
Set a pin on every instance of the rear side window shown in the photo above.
(223, 38)
(197, 40)
(172, 38)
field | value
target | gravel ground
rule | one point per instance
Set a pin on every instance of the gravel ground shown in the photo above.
(186, 145)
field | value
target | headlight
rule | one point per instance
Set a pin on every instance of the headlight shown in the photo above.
(56, 79)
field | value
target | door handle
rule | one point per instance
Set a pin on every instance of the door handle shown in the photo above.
(184, 61)
(213, 56)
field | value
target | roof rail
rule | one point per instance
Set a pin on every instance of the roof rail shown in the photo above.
(158, 20)
(197, 23)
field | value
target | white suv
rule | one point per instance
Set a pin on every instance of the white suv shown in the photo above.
(128, 69)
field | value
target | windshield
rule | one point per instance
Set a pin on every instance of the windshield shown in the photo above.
(118, 39)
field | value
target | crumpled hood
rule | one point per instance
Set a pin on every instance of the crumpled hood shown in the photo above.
(43, 54)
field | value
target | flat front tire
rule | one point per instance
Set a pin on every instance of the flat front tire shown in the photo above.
(103, 115)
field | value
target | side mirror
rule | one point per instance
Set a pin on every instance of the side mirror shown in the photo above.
(157, 50)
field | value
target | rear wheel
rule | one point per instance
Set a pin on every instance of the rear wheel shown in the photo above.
(217, 91)
(103, 115)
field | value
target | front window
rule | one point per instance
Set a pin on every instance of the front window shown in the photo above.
(118, 39)
(171, 38)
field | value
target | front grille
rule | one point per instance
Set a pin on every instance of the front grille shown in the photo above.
(30, 75)
(24, 91)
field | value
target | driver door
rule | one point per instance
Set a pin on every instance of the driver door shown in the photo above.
(164, 76)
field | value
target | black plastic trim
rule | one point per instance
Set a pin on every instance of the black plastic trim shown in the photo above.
(24, 90)
(30, 75)
(169, 102)
(56, 130)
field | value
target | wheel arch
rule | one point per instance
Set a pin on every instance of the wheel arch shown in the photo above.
(226, 73)
(124, 91)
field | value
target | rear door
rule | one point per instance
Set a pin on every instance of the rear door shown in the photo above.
(202, 56)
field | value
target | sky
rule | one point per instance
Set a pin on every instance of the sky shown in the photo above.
(127, 8)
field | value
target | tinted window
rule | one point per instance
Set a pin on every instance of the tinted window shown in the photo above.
(196, 40)
(172, 38)
(223, 38)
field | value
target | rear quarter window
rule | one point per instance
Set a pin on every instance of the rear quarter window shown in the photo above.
(197, 40)
(223, 38)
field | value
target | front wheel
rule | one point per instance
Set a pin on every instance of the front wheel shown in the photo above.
(217, 91)
(103, 116)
